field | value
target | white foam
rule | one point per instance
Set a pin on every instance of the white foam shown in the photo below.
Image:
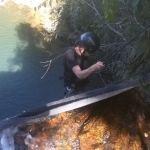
(7, 139)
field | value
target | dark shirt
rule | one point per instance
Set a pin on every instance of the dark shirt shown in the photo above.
(72, 59)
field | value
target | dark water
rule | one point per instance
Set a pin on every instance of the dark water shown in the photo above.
(21, 86)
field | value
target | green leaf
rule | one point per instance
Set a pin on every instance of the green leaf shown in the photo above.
(111, 15)
(114, 6)
(113, 9)
(134, 3)
(105, 9)
(140, 7)
(109, 8)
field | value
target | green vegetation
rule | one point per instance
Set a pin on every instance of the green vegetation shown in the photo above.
(115, 22)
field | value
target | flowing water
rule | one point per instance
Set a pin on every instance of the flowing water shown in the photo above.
(7, 140)
(21, 86)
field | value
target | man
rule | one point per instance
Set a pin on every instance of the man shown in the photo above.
(75, 73)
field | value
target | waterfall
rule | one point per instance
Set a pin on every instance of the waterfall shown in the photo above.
(7, 138)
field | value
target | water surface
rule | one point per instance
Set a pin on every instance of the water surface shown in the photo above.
(21, 86)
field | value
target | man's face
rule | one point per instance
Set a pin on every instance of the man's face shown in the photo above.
(87, 54)
(84, 52)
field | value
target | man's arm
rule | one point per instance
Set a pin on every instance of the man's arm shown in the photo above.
(82, 74)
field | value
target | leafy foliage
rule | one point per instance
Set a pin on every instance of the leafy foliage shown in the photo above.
(115, 22)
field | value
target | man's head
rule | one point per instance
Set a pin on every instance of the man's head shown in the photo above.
(89, 42)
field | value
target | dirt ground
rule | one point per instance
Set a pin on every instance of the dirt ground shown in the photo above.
(118, 123)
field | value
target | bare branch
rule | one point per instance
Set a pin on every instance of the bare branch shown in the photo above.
(49, 64)
(47, 67)
(114, 30)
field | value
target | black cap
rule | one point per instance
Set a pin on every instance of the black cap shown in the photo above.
(90, 42)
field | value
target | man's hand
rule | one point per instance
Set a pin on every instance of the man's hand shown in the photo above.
(98, 66)
(82, 74)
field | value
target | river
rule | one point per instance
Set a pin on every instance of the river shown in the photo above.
(21, 86)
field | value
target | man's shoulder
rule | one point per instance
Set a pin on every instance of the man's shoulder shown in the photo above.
(70, 50)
